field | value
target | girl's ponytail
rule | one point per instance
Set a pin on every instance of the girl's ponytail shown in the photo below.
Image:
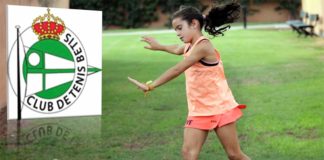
(218, 16)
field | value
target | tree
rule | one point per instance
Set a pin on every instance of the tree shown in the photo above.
(292, 6)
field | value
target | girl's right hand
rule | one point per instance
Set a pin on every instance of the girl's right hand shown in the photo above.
(139, 85)
(153, 44)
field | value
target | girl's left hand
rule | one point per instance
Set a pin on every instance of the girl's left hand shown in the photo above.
(153, 44)
(139, 85)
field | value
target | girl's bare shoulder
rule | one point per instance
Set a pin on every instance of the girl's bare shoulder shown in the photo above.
(205, 46)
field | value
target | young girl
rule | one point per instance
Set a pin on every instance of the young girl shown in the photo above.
(211, 104)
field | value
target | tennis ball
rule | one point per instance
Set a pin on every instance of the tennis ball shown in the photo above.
(149, 82)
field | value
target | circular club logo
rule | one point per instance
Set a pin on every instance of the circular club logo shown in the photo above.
(54, 68)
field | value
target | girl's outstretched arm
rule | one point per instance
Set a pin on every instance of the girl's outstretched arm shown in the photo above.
(155, 45)
(199, 52)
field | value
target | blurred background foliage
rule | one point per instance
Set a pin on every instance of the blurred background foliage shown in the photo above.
(135, 14)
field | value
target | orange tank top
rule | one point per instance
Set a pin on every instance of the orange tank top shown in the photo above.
(207, 90)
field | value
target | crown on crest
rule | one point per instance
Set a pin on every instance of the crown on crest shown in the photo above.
(48, 26)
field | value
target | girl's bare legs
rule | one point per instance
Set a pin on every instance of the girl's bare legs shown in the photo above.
(228, 137)
(192, 143)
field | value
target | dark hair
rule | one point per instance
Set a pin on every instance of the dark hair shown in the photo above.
(214, 21)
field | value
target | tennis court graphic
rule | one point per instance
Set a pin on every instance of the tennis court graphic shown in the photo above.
(51, 74)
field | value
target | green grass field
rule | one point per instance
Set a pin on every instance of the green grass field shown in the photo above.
(279, 76)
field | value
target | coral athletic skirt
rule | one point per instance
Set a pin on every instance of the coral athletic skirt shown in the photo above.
(215, 121)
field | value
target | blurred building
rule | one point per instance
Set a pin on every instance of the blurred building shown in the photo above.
(315, 7)
(267, 12)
